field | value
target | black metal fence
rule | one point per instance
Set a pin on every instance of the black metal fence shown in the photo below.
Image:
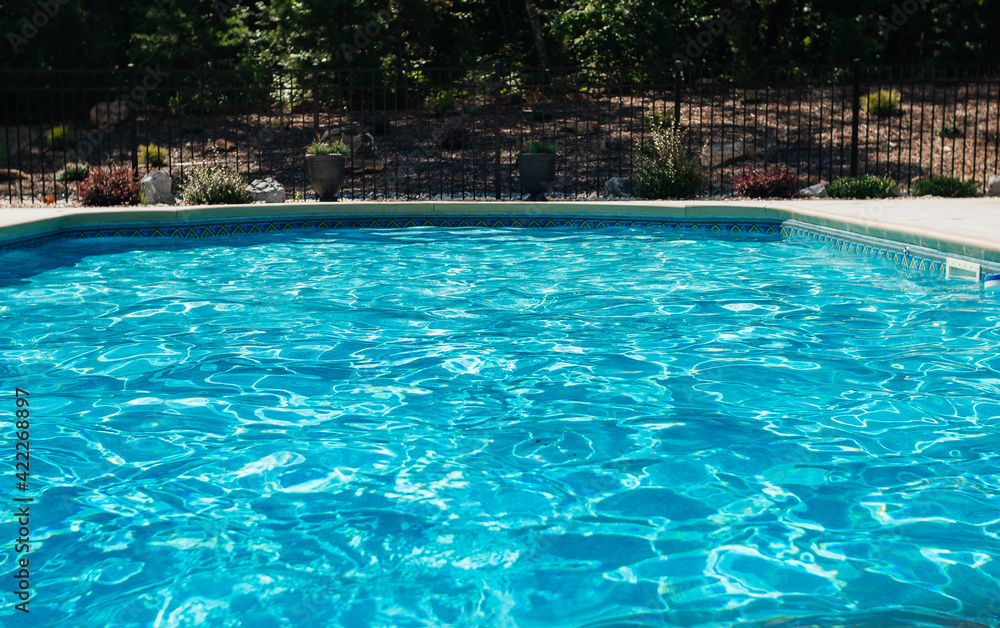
(455, 132)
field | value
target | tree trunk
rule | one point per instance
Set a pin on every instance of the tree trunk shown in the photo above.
(536, 30)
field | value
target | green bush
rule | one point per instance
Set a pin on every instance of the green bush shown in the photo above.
(949, 130)
(884, 102)
(73, 172)
(151, 155)
(665, 170)
(659, 119)
(324, 147)
(115, 185)
(945, 186)
(535, 146)
(868, 186)
(441, 102)
(215, 185)
(60, 137)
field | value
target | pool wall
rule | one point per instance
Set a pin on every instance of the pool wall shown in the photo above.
(908, 240)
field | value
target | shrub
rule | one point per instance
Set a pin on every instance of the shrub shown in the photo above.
(535, 146)
(945, 186)
(949, 130)
(215, 185)
(441, 102)
(659, 119)
(665, 170)
(114, 185)
(323, 147)
(884, 102)
(868, 186)
(60, 137)
(776, 183)
(73, 172)
(151, 155)
(751, 98)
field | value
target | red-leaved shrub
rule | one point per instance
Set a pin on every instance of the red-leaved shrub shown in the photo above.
(115, 185)
(776, 183)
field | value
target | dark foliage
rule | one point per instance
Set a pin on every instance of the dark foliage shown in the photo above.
(774, 183)
(115, 185)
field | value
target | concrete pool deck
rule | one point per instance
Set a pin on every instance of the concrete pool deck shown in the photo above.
(961, 227)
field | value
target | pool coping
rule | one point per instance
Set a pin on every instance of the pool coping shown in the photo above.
(962, 228)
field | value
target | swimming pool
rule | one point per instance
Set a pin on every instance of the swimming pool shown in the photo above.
(492, 427)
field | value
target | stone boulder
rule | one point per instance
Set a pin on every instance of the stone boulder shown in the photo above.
(340, 131)
(451, 135)
(364, 154)
(305, 105)
(267, 191)
(716, 155)
(362, 145)
(376, 122)
(105, 114)
(617, 187)
(154, 188)
(12, 175)
(993, 185)
(580, 127)
(813, 191)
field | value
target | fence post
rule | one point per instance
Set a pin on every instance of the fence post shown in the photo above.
(678, 67)
(496, 128)
(315, 95)
(133, 131)
(855, 112)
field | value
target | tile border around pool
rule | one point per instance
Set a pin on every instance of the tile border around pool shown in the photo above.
(907, 246)
(732, 227)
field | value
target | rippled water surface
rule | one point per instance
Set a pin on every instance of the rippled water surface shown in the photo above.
(501, 428)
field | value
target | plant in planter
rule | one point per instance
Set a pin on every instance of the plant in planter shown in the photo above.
(536, 165)
(326, 162)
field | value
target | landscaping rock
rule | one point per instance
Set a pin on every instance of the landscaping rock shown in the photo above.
(993, 185)
(154, 188)
(512, 99)
(617, 187)
(813, 191)
(339, 132)
(715, 155)
(12, 175)
(267, 191)
(451, 135)
(105, 114)
(580, 127)
(376, 122)
(361, 166)
(362, 145)
(304, 106)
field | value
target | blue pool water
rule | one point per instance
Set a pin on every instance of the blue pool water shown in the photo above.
(509, 428)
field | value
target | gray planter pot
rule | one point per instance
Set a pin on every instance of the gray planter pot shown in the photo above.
(326, 173)
(537, 172)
